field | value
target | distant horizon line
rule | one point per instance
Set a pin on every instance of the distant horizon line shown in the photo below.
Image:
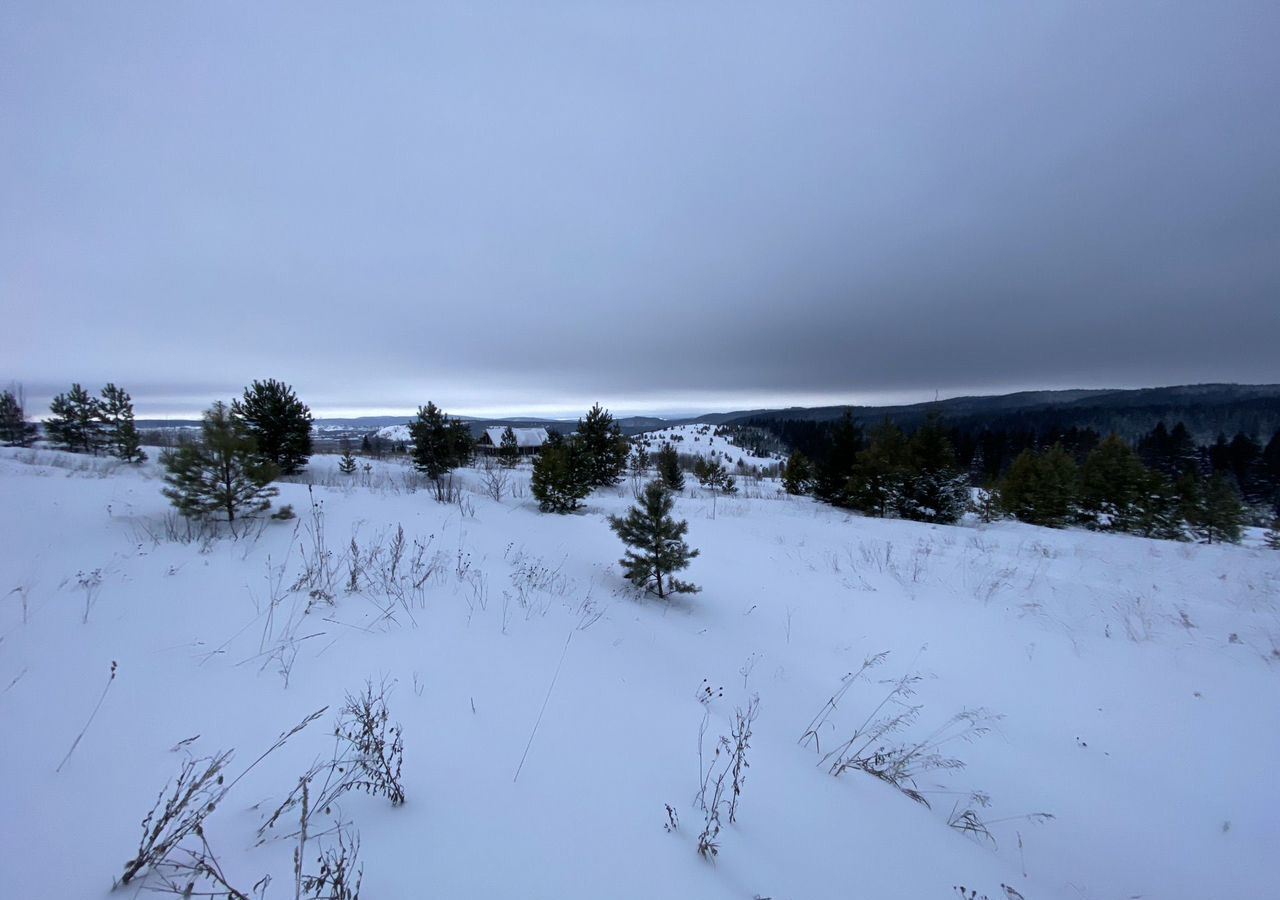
(564, 414)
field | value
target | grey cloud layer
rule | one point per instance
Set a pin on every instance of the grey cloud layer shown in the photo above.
(492, 204)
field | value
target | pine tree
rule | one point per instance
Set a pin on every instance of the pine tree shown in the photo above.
(115, 417)
(667, 462)
(603, 446)
(1219, 514)
(876, 485)
(224, 474)
(933, 487)
(833, 471)
(278, 421)
(433, 442)
(655, 543)
(559, 482)
(508, 448)
(640, 461)
(1040, 488)
(461, 443)
(73, 423)
(797, 474)
(1157, 513)
(15, 430)
(1113, 486)
(347, 462)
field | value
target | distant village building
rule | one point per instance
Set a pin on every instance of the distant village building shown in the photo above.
(528, 440)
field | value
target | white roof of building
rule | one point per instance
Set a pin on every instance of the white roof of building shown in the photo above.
(525, 437)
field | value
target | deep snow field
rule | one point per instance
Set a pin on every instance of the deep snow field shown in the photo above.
(1137, 684)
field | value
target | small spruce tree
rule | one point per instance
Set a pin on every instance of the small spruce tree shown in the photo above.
(115, 417)
(655, 543)
(667, 463)
(559, 483)
(15, 430)
(508, 448)
(279, 422)
(222, 475)
(347, 462)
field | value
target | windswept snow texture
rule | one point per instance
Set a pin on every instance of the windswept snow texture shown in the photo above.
(701, 440)
(1136, 680)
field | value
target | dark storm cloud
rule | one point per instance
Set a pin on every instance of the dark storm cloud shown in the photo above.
(504, 206)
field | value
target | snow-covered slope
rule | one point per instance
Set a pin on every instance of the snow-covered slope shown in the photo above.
(1135, 681)
(702, 440)
(394, 432)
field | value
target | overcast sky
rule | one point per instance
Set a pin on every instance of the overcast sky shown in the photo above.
(525, 207)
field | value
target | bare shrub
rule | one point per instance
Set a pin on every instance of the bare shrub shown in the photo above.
(367, 755)
(179, 811)
(495, 480)
(725, 772)
(872, 747)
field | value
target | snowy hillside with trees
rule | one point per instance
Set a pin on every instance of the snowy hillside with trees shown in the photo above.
(849, 706)
(706, 441)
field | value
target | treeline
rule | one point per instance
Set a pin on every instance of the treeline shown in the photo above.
(78, 422)
(1163, 486)
(1204, 410)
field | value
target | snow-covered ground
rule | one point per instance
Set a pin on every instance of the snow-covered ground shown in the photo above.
(1135, 682)
(701, 440)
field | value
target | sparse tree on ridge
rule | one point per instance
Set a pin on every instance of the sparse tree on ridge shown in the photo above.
(655, 543)
(224, 474)
(119, 434)
(278, 421)
(74, 421)
(15, 430)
